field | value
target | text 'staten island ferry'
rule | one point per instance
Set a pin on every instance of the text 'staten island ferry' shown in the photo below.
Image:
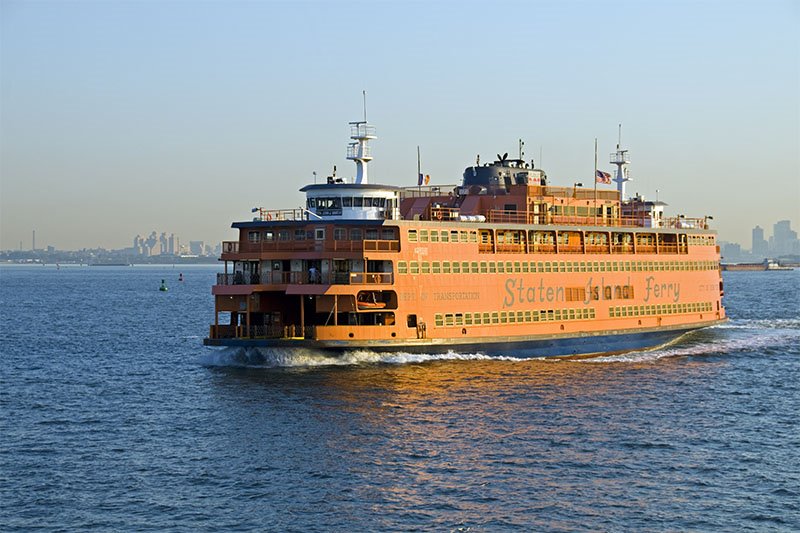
(503, 264)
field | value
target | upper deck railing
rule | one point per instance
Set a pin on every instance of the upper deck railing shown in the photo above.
(279, 277)
(310, 245)
(268, 215)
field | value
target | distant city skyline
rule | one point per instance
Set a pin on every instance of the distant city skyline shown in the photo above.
(782, 243)
(153, 244)
(116, 116)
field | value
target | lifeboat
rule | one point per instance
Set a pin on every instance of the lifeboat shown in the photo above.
(368, 300)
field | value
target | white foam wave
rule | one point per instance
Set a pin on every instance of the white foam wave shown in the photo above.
(718, 346)
(306, 358)
(772, 323)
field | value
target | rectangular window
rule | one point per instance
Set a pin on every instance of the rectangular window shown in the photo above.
(423, 235)
(253, 236)
(412, 235)
(339, 234)
(484, 267)
(437, 267)
(445, 267)
(402, 267)
(456, 267)
(426, 267)
(434, 235)
(445, 236)
(355, 234)
(414, 267)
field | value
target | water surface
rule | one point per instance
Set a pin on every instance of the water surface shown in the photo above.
(115, 417)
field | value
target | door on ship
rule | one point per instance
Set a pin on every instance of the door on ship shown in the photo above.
(341, 271)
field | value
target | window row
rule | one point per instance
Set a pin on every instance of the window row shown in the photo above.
(702, 240)
(339, 234)
(435, 235)
(512, 317)
(660, 309)
(593, 238)
(337, 202)
(508, 267)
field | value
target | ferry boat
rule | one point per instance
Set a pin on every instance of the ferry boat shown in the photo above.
(501, 264)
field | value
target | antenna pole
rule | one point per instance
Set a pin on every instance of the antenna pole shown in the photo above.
(619, 137)
(595, 181)
(364, 93)
(419, 173)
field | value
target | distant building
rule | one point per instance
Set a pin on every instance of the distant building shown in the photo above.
(784, 240)
(731, 252)
(759, 243)
(196, 247)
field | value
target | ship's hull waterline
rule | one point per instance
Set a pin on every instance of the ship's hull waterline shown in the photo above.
(533, 346)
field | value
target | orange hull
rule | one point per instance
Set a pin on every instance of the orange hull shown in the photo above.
(453, 293)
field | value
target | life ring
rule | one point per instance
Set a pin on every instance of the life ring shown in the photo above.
(438, 215)
(229, 247)
(268, 216)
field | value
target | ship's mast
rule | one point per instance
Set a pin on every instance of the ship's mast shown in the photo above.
(359, 151)
(620, 158)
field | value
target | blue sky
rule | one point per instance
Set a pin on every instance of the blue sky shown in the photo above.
(118, 118)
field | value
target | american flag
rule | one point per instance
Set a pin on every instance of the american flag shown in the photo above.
(603, 177)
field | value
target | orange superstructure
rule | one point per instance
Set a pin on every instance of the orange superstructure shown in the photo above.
(501, 264)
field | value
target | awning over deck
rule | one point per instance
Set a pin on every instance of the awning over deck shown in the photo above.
(314, 289)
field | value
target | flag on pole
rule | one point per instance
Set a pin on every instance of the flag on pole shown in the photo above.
(420, 180)
(602, 177)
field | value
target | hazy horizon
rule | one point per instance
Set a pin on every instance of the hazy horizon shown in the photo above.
(120, 118)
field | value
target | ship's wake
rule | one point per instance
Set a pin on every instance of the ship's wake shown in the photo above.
(770, 336)
(776, 336)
